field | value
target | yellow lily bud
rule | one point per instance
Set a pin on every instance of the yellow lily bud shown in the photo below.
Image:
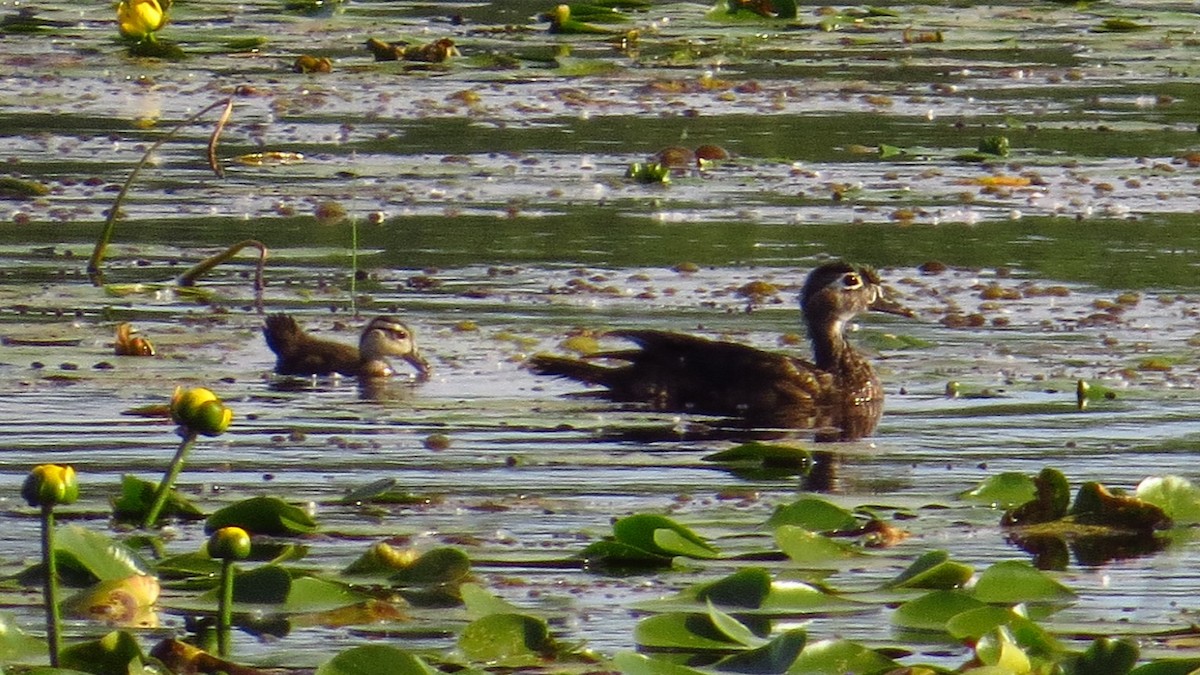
(200, 410)
(229, 543)
(138, 19)
(50, 484)
(212, 418)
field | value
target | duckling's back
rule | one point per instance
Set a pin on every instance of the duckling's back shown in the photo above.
(298, 353)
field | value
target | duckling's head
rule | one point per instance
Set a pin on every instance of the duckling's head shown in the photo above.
(836, 291)
(388, 336)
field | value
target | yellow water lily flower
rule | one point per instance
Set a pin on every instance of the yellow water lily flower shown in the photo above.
(229, 543)
(138, 19)
(200, 410)
(50, 484)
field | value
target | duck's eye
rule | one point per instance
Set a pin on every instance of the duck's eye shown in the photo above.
(851, 281)
(399, 335)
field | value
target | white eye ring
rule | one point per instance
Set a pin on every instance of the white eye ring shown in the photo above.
(851, 281)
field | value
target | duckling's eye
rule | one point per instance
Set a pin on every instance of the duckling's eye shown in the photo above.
(851, 281)
(399, 335)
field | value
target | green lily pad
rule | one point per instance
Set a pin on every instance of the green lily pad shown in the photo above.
(691, 631)
(744, 588)
(1106, 656)
(766, 455)
(375, 660)
(632, 663)
(810, 548)
(263, 515)
(751, 590)
(838, 657)
(1052, 497)
(1014, 581)
(509, 640)
(608, 553)
(998, 649)
(116, 652)
(933, 570)
(813, 513)
(438, 566)
(661, 536)
(480, 602)
(290, 592)
(1003, 490)
(1176, 496)
(1184, 666)
(775, 656)
(137, 495)
(934, 610)
(16, 644)
(89, 556)
(975, 623)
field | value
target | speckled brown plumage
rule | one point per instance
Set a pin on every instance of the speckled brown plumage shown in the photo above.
(298, 353)
(837, 391)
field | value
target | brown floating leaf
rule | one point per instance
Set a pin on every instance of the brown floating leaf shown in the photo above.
(437, 51)
(182, 658)
(307, 63)
(128, 344)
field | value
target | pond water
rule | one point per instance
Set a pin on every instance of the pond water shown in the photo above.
(491, 209)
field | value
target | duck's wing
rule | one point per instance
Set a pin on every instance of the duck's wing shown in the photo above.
(676, 371)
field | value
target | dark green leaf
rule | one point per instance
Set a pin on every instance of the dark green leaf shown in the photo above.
(263, 515)
(1106, 656)
(767, 455)
(116, 653)
(137, 494)
(745, 588)
(774, 657)
(438, 566)
(662, 536)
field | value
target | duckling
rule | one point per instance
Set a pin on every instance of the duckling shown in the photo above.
(837, 391)
(299, 353)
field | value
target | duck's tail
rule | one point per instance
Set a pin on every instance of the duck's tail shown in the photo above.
(575, 369)
(283, 334)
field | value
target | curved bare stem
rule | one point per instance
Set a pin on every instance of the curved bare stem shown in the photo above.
(110, 222)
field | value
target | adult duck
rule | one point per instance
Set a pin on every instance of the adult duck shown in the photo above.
(838, 392)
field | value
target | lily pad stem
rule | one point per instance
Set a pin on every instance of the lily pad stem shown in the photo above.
(201, 268)
(225, 608)
(164, 488)
(110, 222)
(50, 587)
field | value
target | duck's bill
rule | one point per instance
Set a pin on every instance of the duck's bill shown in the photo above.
(419, 363)
(886, 305)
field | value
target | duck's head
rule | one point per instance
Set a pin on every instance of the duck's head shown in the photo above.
(836, 291)
(387, 336)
